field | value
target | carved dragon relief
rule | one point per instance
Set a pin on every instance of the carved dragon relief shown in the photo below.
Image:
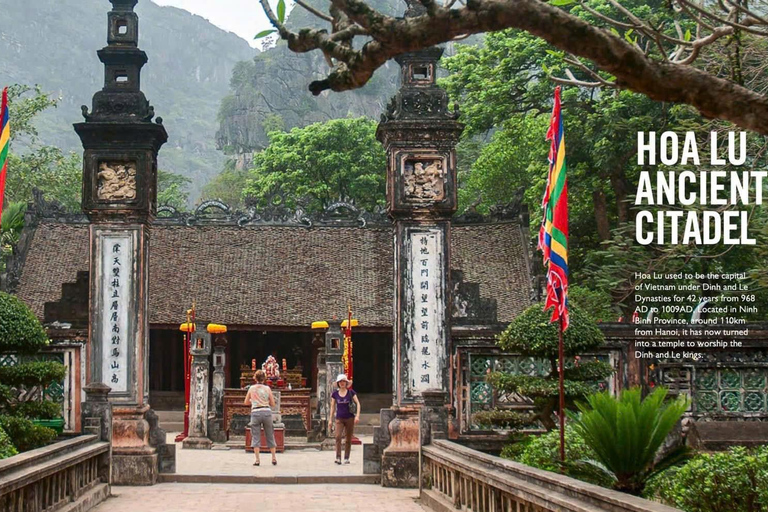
(116, 181)
(424, 179)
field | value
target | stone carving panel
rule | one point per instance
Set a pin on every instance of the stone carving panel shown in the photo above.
(116, 181)
(424, 103)
(424, 178)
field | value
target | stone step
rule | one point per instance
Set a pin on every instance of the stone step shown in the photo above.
(364, 430)
(172, 426)
(372, 419)
(278, 479)
(170, 416)
(373, 402)
(171, 421)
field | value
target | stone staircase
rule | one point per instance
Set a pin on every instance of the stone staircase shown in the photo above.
(371, 405)
(368, 421)
(171, 421)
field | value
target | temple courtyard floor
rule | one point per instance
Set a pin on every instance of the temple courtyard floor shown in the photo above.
(300, 463)
(264, 498)
(224, 479)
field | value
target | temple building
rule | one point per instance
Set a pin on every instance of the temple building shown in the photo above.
(267, 275)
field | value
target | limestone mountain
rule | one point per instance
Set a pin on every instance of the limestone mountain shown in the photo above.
(271, 90)
(53, 43)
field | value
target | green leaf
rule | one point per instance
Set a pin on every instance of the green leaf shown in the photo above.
(628, 36)
(264, 33)
(614, 31)
(562, 3)
(281, 11)
(687, 35)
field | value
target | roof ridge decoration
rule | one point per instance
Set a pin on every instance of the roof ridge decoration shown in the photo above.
(343, 212)
(42, 208)
(274, 212)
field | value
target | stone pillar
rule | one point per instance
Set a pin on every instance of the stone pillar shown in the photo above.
(419, 135)
(198, 392)
(277, 418)
(433, 422)
(434, 416)
(320, 416)
(219, 361)
(119, 196)
(334, 349)
(96, 418)
(96, 412)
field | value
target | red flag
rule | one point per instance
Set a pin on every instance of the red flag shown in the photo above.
(553, 235)
(5, 142)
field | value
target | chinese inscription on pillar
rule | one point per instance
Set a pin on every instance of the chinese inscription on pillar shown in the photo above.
(116, 254)
(426, 304)
(201, 389)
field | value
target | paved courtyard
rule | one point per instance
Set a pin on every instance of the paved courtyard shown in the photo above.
(184, 497)
(306, 462)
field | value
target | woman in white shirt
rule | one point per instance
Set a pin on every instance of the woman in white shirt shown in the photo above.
(262, 401)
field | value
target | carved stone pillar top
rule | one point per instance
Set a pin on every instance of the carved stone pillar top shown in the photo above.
(96, 392)
(419, 134)
(120, 140)
(334, 346)
(201, 342)
(434, 397)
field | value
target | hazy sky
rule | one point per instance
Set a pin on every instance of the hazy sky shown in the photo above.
(243, 17)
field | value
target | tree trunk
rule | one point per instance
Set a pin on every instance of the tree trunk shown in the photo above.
(545, 415)
(620, 189)
(601, 215)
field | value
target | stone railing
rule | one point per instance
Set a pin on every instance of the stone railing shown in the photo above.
(454, 477)
(68, 475)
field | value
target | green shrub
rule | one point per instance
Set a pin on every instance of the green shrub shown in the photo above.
(6, 396)
(20, 330)
(543, 452)
(24, 434)
(21, 334)
(39, 410)
(532, 334)
(597, 304)
(516, 445)
(34, 373)
(6, 447)
(503, 418)
(732, 481)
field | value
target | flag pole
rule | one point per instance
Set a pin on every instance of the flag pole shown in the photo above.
(561, 414)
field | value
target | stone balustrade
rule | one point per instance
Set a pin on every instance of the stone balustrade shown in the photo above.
(454, 477)
(68, 475)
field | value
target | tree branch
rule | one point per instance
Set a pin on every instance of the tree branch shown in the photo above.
(633, 69)
(314, 11)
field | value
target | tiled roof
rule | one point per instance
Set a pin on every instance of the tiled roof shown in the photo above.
(278, 276)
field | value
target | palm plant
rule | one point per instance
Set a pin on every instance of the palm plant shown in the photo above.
(11, 224)
(626, 434)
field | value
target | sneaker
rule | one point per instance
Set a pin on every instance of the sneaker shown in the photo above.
(346, 461)
(338, 461)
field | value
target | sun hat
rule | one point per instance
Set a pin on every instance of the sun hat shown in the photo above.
(341, 377)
